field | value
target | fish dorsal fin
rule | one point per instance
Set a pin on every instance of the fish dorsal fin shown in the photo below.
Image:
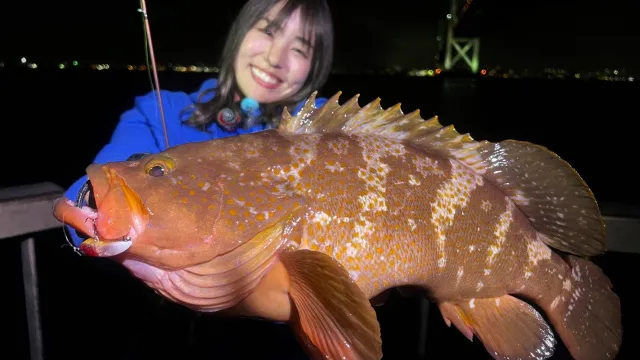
(546, 189)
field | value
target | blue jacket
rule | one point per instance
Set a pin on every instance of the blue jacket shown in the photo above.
(140, 131)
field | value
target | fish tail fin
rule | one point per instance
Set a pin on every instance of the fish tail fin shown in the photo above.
(586, 314)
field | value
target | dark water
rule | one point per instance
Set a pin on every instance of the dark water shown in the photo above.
(54, 123)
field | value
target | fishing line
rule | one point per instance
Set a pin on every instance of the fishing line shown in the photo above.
(150, 54)
(151, 69)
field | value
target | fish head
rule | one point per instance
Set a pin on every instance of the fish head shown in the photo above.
(182, 207)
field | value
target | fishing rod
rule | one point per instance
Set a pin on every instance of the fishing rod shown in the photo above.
(151, 67)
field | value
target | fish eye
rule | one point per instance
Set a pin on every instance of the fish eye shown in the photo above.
(159, 166)
(156, 171)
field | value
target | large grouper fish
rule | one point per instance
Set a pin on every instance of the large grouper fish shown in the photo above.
(310, 222)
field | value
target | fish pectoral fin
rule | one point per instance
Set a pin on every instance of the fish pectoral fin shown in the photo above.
(508, 327)
(332, 316)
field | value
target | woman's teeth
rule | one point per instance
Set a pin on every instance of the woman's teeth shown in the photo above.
(263, 76)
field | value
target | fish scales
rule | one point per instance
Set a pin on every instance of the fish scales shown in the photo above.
(313, 222)
(384, 222)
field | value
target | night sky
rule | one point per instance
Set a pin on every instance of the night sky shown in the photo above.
(580, 35)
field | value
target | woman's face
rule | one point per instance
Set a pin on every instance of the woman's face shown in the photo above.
(274, 64)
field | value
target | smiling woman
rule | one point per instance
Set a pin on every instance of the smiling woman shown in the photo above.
(276, 54)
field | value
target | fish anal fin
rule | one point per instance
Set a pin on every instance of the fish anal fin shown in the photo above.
(545, 188)
(508, 328)
(332, 316)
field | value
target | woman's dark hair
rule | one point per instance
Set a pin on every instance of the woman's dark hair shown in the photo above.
(316, 18)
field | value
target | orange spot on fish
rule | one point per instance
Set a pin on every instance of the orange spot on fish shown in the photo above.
(191, 192)
(233, 212)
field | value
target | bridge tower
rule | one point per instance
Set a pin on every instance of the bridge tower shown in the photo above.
(456, 48)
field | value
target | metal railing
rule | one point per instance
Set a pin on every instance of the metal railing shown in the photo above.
(24, 212)
(27, 210)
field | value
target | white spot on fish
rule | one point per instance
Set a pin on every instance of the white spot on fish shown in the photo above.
(537, 251)
(486, 205)
(302, 153)
(519, 197)
(375, 171)
(321, 218)
(363, 230)
(413, 180)
(459, 275)
(335, 167)
(452, 195)
(555, 302)
(472, 303)
(339, 146)
(500, 232)
(427, 166)
(206, 186)
(497, 301)
(412, 224)
(479, 286)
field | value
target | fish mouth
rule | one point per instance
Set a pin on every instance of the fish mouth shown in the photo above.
(113, 217)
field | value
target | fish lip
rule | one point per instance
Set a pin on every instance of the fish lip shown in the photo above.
(101, 181)
(97, 247)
